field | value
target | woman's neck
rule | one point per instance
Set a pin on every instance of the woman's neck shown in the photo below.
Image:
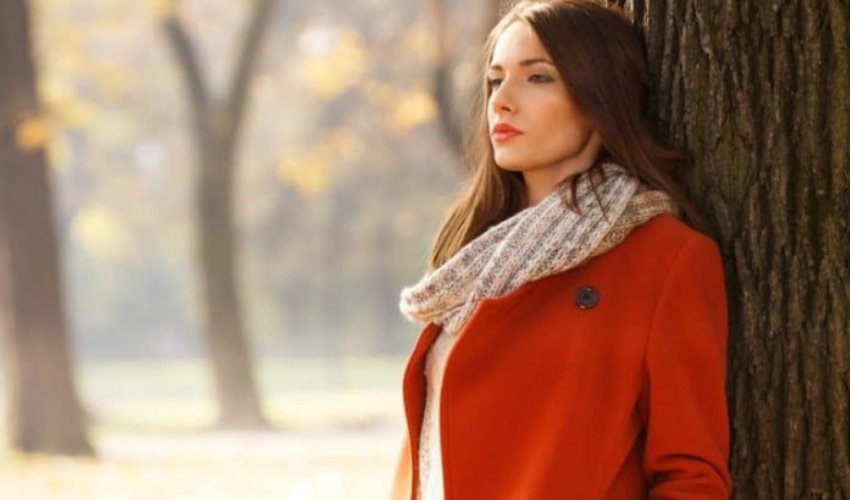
(540, 182)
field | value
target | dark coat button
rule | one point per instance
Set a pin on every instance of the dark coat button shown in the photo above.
(586, 297)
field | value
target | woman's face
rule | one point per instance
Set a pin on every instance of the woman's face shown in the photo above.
(535, 125)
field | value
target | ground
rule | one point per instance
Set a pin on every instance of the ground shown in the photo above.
(336, 438)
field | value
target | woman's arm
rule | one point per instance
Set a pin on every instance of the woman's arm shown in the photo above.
(684, 397)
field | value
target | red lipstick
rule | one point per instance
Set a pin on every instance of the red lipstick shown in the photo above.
(504, 132)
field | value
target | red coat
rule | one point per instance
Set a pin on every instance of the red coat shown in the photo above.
(622, 400)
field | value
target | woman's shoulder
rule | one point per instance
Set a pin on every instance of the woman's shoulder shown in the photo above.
(661, 254)
(661, 244)
(666, 236)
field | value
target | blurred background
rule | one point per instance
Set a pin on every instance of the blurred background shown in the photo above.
(207, 211)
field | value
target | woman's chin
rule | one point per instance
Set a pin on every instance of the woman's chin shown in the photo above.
(510, 165)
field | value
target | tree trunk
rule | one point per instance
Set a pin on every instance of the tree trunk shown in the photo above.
(217, 127)
(334, 298)
(385, 339)
(759, 93)
(453, 98)
(450, 119)
(45, 413)
(229, 348)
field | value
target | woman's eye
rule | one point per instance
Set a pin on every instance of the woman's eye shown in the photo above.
(493, 82)
(537, 78)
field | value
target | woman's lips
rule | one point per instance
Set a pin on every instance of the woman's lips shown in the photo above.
(504, 132)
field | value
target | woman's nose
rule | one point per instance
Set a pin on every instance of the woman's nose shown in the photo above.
(501, 98)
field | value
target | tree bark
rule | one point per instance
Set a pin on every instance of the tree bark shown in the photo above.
(217, 127)
(45, 414)
(759, 93)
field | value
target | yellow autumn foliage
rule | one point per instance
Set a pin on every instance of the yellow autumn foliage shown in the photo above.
(71, 111)
(101, 233)
(330, 73)
(381, 93)
(414, 108)
(58, 155)
(32, 133)
(421, 42)
(406, 108)
(163, 8)
(312, 170)
(344, 145)
(308, 171)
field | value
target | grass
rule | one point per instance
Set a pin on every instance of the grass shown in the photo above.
(338, 426)
(297, 393)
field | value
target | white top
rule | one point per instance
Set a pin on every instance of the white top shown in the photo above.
(430, 459)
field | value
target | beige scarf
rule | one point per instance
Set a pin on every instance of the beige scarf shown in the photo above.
(538, 241)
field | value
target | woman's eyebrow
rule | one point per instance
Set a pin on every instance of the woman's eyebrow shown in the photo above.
(524, 63)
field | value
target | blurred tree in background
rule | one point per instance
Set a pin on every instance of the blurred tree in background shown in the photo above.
(342, 172)
(457, 65)
(217, 124)
(44, 412)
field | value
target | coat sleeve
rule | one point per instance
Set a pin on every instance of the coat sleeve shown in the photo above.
(684, 399)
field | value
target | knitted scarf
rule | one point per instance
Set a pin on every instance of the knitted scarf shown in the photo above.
(541, 240)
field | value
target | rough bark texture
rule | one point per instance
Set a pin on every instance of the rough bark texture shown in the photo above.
(44, 410)
(759, 93)
(217, 127)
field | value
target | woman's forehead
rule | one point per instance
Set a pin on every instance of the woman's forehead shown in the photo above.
(518, 44)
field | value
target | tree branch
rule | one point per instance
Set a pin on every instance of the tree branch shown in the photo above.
(248, 54)
(187, 61)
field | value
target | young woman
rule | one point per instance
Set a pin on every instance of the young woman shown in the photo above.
(575, 327)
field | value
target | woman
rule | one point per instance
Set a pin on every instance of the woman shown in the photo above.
(575, 334)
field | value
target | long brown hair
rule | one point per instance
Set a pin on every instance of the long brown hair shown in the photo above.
(601, 58)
